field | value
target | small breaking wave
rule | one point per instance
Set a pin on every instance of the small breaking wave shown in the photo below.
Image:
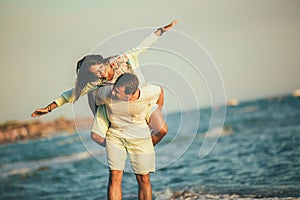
(25, 167)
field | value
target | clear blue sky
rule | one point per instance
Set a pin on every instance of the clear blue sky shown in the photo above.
(255, 44)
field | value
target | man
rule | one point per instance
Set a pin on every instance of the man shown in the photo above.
(127, 108)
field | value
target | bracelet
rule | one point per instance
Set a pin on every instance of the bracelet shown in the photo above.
(161, 30)
(49, 108)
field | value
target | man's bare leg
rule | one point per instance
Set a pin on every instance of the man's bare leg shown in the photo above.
(145, 189)
(114, 189)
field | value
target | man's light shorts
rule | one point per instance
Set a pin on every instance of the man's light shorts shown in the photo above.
(141, 153)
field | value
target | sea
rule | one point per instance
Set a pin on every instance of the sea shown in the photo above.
(253, 153)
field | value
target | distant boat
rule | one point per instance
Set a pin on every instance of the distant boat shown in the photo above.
(232, 102)
(296, 93)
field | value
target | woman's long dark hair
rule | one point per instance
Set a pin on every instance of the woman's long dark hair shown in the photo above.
(84, 75)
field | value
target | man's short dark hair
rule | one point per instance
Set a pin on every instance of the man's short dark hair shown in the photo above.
(129, 80)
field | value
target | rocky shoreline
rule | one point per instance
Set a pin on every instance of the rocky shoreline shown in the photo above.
(13, 131)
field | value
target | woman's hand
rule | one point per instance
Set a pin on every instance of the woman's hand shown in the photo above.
(169, 26)
(40, 112)
(160, 31)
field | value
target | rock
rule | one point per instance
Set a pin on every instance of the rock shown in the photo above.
(13, 131)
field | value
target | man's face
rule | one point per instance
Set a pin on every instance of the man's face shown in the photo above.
(119, 93)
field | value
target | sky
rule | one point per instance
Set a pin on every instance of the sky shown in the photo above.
(254, 46)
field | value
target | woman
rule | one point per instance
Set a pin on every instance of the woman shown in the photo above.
(94, 71)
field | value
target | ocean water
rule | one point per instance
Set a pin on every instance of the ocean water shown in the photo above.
(257, 156)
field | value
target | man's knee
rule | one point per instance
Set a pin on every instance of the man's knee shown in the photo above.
(115, 177)
(143, 179)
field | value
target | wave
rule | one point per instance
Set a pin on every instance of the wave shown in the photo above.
(24, 167)
(219, 131)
